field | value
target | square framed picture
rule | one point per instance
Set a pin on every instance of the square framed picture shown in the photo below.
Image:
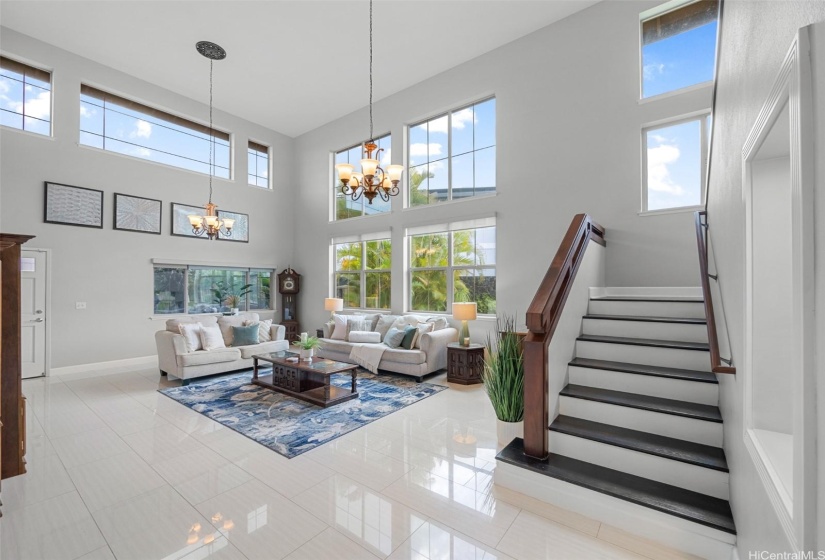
(180, 220)
(135, 213)
(73, 206)
(240, 229)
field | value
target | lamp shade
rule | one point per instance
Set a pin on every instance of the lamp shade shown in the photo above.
(333, 304)
(464, 311)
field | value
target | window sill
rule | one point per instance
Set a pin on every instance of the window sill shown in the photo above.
(676, 92)
(666, 211)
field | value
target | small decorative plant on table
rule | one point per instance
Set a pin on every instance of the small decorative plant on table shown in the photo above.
(230, 297)
(504, 379)
(307, 346)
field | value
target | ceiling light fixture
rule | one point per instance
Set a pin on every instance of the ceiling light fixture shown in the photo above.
(209, 223)
(372, 181)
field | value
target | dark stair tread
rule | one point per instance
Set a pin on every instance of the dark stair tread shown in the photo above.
(641, 369)
(686, 504)
(676, 344)
(644, 319)
(653, 444)
(648, 298)
(644, 402)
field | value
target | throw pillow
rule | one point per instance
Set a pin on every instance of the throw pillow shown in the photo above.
(329, 326)
(384, 323)
(191, 332)
(211, 337)
(364, 337)
(245, 336)
(264, 330)
(356, 323)
(340, 330)
(409, 337)
(394, 338)
(439, 322)
(420, 330)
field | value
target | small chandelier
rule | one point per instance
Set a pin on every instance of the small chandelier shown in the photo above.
(209, 223)
(372, 181)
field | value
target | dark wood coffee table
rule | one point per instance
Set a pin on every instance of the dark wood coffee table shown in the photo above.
(308, 381)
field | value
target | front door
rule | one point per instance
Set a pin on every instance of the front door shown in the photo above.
(33, 311)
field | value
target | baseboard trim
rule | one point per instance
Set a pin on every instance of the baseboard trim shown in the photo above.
(114, 366)
(638, 520)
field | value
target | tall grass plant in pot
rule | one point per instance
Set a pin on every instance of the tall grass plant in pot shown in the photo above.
(504, 379)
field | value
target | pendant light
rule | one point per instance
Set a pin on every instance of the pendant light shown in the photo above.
(372, 181)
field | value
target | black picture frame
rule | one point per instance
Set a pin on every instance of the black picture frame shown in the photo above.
(241, 227)
(72, 206)
(122, 222)
(180, 224)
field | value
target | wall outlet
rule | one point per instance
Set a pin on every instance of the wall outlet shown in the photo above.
(80, 305)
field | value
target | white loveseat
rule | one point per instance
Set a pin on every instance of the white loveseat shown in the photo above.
(416, 362)
(177, 361)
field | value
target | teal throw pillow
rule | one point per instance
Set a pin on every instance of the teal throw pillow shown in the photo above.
(393, 338)
(244, 336)
(409, 337)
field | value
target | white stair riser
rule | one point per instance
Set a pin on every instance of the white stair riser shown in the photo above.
(664, 387)
(647, 308)
(643, 329)
(698, 360)
(680, 427)
(676, 473)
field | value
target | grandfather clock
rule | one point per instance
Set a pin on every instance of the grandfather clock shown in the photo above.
(289, 283)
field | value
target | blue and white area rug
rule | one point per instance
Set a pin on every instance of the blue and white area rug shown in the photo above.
(289, 426)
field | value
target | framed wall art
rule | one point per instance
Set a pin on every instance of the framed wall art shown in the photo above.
(240, 230)
(180, 220)
(135, 213)
(73, 206)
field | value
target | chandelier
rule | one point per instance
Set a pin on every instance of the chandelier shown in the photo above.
(372, 181)
(209, 223)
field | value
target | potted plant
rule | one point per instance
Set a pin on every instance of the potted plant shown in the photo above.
(307, 347)
(230, 297)
(504, 379)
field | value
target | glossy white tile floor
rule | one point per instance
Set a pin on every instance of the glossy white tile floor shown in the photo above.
(117, 470)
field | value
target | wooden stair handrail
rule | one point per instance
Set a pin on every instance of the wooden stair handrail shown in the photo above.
(543, 316)
(713, 339)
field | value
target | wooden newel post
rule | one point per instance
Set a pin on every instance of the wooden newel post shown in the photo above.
(535, 396)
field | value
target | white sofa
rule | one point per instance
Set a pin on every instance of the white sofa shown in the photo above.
(175, 360)
(418, 362)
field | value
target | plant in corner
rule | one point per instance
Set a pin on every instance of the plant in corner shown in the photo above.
(307, 346)
(230, 297)
(504, 379)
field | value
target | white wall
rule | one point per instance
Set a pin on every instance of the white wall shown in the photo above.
(772, 296)
(756, 36)
(568, 140)
(112, 270)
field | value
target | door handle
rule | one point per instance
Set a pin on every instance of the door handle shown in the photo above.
(38, 312)
(39, 320)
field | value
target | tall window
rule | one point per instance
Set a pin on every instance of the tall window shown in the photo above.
(363, 278)
(25, 97)
(345, 207)
(118, 125)
(453, 156)
(678, 47)
(258, 163)
(455, 264)
(674, 157)
(197, 289)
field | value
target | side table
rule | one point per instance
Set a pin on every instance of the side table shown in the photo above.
(465, 363)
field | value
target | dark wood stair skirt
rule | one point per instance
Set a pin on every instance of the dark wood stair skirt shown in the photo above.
(672, 500)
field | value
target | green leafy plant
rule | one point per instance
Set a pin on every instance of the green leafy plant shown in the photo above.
(230, 297)
(504, 371)
(310, 343)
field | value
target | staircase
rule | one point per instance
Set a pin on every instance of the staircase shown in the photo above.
(638, 422)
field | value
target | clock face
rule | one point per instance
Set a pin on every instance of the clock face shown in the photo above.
(289, 284)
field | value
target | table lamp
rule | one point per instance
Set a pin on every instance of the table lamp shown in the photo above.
(464, 312)
(332, 305)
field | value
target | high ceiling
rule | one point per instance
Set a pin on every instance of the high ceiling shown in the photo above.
(292, 65)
